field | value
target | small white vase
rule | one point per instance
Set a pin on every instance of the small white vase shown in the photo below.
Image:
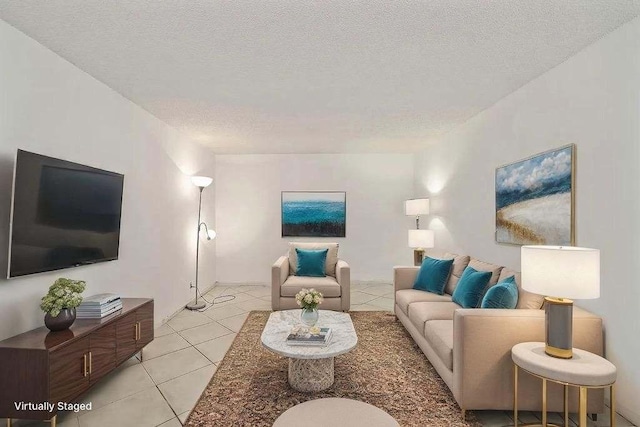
(309, 316)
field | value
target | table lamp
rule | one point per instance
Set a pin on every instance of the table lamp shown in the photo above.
(417, 207)
(559, 273)
(420, 240)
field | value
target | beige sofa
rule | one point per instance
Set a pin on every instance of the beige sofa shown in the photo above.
(335, 286)
(471, 348)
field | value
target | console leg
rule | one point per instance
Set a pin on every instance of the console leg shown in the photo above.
(54, 420)
(8, 422)
(141, 359)
(583, 407)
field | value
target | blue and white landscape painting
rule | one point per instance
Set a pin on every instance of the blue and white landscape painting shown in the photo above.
(313, 214)
(534, 200)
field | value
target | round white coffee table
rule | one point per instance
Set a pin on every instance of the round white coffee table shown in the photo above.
(310, 368)
(585, 370)
(335, 412)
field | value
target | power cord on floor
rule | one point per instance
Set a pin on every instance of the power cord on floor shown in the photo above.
(215, 301)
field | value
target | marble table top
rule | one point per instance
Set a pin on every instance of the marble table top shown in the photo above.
(279, 326)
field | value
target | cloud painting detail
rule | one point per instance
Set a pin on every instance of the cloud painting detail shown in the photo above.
(313, 214)
(534, 199)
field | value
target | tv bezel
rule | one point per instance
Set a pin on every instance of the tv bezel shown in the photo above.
(13, 194)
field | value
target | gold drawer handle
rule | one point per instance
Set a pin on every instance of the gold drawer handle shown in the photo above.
(84, 367)
(90, 357)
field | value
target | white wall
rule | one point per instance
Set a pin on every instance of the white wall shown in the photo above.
(248, 210)
(592, 100)
(51, 107)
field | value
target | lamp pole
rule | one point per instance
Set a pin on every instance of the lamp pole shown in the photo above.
(197, 305)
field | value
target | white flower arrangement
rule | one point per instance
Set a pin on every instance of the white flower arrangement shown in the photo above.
(309, 298)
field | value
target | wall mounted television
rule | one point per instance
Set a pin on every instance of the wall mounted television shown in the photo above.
(63, 215)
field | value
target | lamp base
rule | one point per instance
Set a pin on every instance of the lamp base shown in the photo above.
(418, 257)
(558, 327)
(195, 306)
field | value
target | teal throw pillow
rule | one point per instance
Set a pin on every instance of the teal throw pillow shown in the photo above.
(311, 262)
(433, 275)
(470, 288)
(502, 295)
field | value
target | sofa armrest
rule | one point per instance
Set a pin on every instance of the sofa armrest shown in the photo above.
(279, 273)
(404, 277)
(482, 364)
(343, 276)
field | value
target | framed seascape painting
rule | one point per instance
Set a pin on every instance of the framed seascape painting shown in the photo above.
(535, 199)
(314, 213)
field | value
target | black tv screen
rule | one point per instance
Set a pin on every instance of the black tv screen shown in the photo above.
(64, 215)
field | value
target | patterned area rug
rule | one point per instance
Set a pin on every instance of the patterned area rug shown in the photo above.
(386, 369)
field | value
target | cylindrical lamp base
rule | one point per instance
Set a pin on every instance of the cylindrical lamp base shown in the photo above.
(418, 257)
(559, 327)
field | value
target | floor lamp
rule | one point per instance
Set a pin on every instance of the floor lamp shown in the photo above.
(201, 182)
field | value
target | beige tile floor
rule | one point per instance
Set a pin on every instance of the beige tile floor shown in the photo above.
(186, 351)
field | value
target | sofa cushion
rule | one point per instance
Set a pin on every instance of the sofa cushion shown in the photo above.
(485, 266)
(404, 297)
(460, 262)
(311, 262)
(439, 333)
(330, 263)
(327, 286)
(422, 312)
(471, 288)
(503, 295)
(433, 275)
(525, 299)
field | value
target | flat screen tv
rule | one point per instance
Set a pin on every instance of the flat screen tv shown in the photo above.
(63, 215)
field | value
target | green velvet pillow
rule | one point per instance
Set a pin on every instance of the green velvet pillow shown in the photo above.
(470, 288)
(433, 275)
(502, 295)
(311, 263)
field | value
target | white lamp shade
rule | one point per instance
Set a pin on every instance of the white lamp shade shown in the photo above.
(561, 271)
(201, 181)
(421, 239)
(415, 207)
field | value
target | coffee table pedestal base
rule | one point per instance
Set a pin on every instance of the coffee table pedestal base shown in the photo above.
(311, 375)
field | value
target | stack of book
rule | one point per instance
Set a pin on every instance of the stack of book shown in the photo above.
(98, 306)
(318, 337)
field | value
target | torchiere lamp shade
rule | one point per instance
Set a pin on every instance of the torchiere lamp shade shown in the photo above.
(559, 273)
(415, 207)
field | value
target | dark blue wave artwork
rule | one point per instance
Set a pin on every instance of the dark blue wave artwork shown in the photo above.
(306, 216)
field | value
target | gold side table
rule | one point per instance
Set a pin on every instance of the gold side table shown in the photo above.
(585, 370)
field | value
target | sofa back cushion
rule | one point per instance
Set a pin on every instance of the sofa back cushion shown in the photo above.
(460, 262)
(330, 262)
(485, 266)
(433, 275)
(471, 286)
(525, 299)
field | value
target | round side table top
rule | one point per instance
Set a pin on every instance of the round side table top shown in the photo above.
(335, 412)
(585, 368)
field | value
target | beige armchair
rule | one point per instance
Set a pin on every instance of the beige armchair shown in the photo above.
(335, 286)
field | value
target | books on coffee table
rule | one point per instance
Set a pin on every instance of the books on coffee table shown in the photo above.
(317, 337)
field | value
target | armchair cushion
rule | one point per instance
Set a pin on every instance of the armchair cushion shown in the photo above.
(330, 262)
(311, 263)
(327, 286)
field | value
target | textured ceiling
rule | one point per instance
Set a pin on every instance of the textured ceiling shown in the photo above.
(316, 77)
